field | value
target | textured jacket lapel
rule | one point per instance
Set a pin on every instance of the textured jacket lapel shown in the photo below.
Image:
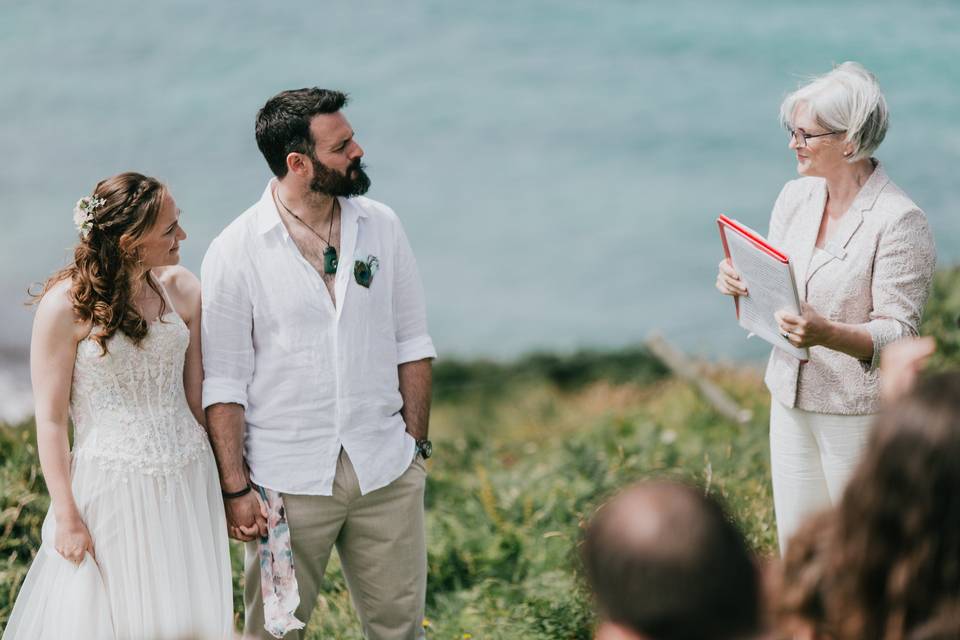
(819, 259)
(835, 248)
(808, 233)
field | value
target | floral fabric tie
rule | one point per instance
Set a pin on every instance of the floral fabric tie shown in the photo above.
(278, 583)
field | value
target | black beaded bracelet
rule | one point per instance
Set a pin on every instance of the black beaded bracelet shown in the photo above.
(237, 494)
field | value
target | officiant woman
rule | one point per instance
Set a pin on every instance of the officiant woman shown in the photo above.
(864, 257)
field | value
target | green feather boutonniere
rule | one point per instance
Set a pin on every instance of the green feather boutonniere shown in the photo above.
(364, 270)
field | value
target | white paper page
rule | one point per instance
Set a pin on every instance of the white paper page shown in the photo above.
(771, 288)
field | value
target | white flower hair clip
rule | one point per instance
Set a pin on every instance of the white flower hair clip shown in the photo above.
(83, 213)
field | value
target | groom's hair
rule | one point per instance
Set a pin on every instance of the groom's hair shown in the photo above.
(664, 561)
(283, 124)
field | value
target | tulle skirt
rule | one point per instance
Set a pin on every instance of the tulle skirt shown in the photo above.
(162, 567)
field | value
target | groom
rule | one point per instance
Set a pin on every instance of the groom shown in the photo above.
(317, 368)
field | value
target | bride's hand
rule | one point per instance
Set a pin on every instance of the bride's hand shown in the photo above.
(246, 517)
(72, 540)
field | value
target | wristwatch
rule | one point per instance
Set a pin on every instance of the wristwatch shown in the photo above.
(425, 448)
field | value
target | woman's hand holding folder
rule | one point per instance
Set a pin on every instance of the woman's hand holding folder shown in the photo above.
(772, 284)
(728, 280)
(808, 329)
(805, 330)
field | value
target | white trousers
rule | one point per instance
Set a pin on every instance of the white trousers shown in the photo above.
(811, 457)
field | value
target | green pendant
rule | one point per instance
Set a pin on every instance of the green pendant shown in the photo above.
(329, 260)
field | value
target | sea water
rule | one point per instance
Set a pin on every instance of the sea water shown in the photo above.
(558, 165)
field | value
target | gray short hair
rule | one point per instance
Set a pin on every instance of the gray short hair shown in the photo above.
(848, 98)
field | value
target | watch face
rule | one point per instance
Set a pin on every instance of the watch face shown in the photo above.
(426, 448)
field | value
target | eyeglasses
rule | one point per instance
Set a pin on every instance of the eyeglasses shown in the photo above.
(801, 136)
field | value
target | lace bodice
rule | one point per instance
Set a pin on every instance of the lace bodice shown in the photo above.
(129, 408)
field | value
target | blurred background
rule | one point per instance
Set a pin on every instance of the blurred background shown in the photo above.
(558, 164)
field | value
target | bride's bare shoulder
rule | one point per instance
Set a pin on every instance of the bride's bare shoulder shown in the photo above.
(56, 315)
(179, 278)
(183, 287)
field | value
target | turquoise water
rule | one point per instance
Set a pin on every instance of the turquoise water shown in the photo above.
(558, 164)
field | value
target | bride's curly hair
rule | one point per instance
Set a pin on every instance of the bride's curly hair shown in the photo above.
(885, 562)
(105, 268)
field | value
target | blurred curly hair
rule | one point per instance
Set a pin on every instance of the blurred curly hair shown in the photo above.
(800, 588)
(105, 263)
(885, 562)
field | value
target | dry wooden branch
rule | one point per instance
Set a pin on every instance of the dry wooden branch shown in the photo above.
(681, 365)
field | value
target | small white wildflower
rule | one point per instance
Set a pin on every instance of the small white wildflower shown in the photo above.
(83, 213)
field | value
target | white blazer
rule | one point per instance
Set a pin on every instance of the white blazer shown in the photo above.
(875, 271)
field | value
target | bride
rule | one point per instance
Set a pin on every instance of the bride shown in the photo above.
(135, 542)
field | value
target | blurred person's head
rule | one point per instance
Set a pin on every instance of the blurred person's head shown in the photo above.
(128, 225)
(665, 563)
(307, 142)
(836, 119)
(887, 557)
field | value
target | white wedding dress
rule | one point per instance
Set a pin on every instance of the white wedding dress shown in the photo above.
(145, 481)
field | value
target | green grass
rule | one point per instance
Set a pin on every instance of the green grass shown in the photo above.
(941, 318)
(506, 506)
(519, 466)
(525, 452)
(23, 504)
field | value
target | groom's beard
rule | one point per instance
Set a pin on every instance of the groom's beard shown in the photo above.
(333, 183)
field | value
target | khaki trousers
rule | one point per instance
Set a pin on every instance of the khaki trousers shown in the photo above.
(382, 547)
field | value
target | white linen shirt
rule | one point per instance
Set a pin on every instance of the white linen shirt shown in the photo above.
(312, 376)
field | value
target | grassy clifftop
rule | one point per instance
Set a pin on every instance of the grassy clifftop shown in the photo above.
(524, 453)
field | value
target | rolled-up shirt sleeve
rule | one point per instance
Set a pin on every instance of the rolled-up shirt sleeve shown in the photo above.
(902, 273)
(409, 305)
(226, 329)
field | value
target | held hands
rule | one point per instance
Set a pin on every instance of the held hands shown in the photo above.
(73, 540)
(246, 517)
(808, 329)
(728, 280)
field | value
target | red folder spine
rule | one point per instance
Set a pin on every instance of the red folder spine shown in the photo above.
(726, 251)
(758, 242)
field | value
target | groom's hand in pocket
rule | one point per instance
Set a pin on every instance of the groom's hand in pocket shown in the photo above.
(246, 517)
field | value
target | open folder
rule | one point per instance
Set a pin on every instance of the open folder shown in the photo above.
(770, 282)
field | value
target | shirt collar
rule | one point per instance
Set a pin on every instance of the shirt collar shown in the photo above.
(268, 217)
